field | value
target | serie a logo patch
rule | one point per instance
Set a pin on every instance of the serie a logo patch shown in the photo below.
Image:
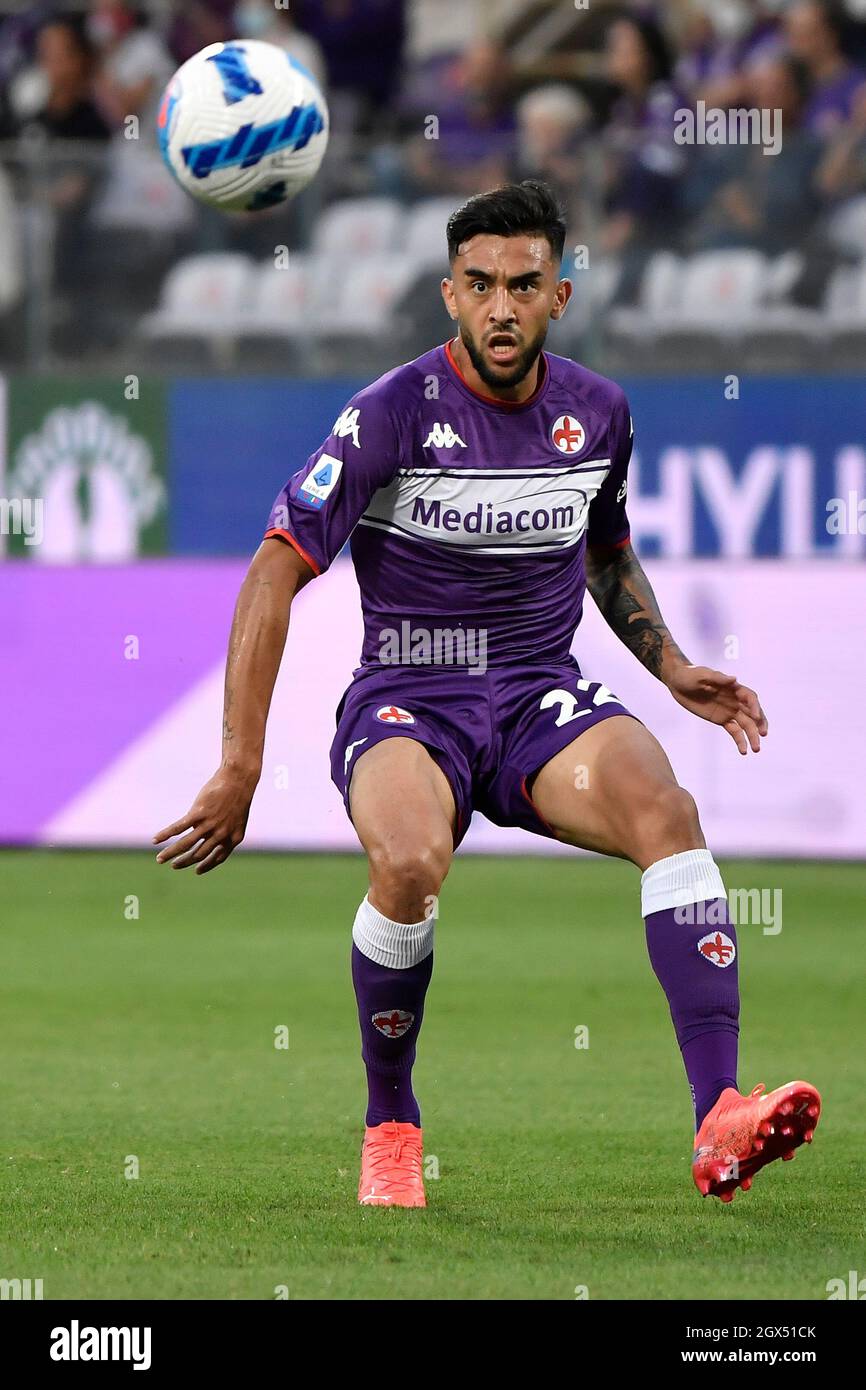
(393, 1023)
(320, 481)
(717, 948)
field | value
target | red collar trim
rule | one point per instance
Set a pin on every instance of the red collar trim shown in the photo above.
(494, 400)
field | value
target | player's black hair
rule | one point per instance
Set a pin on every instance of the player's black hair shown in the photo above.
(515, 209)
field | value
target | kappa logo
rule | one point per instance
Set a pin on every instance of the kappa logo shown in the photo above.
(349, 423)
(393, 1023)
(568, 434)
(393, 714)
(718, 949)
(621, 495)
(347, 758)
(443, 437)
(320, 481)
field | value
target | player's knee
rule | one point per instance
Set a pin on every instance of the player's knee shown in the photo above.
(406, 875)
(669, 824)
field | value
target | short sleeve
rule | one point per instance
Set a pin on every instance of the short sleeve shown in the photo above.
(319, 507)
(608, 522)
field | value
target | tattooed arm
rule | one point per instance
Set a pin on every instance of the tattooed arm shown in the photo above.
(627, 603)
(624, 595)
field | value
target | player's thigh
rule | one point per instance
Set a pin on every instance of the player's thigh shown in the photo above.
(404, 812)
(613, 790)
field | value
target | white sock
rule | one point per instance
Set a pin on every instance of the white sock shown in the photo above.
(395, 944)
(690, 877)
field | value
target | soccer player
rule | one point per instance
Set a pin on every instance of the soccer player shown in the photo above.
(483, 487)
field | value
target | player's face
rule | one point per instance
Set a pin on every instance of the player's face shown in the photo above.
(503, 292)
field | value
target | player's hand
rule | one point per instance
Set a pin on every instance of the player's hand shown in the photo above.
(213, 826)
(722, 700)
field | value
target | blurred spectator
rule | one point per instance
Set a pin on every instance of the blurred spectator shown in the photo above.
(135, 63)
(61, 182)
(644, 162)
(768, 201)
(363, 45)
(66, 63)
(815, 31)
(140, 193)
(722, 42)
(552, 122)
(195, 24)
(17, 41)
(258, 19)
(468, 143)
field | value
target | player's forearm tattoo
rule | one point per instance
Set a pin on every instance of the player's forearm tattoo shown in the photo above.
(625, 598)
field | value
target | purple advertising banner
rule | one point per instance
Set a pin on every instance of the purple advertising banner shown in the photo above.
(111, 682)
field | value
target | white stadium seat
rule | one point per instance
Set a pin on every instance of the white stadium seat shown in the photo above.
(284, 300)
(358, 227)
(365, 297)
(659, 297)
(424, 233)
(203, 296)
(720, 290)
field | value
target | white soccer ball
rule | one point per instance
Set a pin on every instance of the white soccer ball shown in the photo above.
(243, 125)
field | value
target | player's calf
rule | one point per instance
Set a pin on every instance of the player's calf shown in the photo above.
(403, 811)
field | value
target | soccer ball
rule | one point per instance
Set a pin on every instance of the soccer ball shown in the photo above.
(243, 125)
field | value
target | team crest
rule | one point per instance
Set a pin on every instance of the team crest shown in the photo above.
(320, 481)
(717, 948)
(393, 1023)
(568, 434)
(393, 714)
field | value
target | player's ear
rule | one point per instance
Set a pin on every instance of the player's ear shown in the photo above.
(564, 291)
(448, 295)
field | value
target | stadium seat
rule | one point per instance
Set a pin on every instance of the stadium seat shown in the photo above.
(357, 324)
(720, 290)
(714, 305)
(357, 227)
(586, 316)
(780, 336)
(282, 315)
(204, 304)
(628, 329)
(424, 233)
(845, 309)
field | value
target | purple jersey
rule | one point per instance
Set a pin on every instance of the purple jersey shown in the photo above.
(464, 510)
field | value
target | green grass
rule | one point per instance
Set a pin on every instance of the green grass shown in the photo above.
(155, 1038)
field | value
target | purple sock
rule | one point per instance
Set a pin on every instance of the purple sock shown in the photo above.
(693, 951)
(390, 1010)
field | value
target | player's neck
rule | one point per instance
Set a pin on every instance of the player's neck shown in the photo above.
(510, 395)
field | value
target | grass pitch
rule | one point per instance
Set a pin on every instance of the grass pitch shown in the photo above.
(147, 1044)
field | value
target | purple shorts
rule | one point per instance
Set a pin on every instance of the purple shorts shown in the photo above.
(490, 733)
